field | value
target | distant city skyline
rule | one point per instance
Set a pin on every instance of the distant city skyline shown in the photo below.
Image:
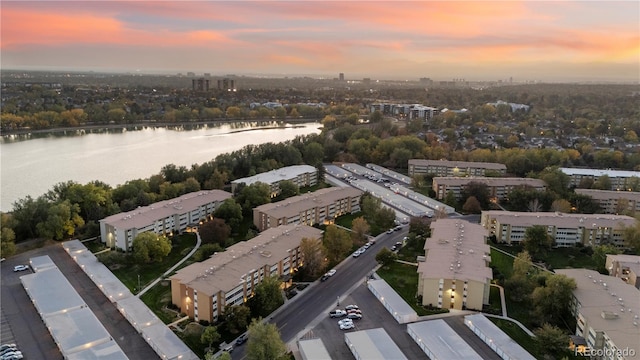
(476, 40)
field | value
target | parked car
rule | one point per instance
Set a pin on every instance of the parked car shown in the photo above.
(331, 272)
(390, 231)
(20, 268)
(337, 313)
(356, 253)
(242, 339)
(14, 349)
(394, 248)
(351, 307)
(324, 277)
(345, 321)
(7, 346)
(228, 348)
(354, 316)
(347, 326)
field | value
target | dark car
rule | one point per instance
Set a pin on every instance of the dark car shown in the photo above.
(242, 339)
(324, 277)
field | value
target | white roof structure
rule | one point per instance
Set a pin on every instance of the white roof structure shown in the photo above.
(336, 171)
(108, 283)
(374, 344)
(440, 342)
(105, 351)
(40, 263)
(51, 292)
(313, 349)
(424, 200)
(599, 172)
(277, 175)
(392, 174)
(496, 339)
(401, 311)
(161, 339)
(77, 330)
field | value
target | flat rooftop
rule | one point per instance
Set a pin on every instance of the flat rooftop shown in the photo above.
(277, 175)
(224, 271)
(600, 172)
(630, 261)
(489, 181)
(373, 344)
(456, 250)
(458, 164)
(296, 204)
(313, 349)
(497, 337)
(147, 215)
(560, 220)
(609, 194)
(441, 340)
(608, 304)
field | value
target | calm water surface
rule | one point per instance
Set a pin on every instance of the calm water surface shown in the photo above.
(31, 166)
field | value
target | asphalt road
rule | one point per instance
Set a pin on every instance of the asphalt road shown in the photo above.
(30, 334)
(299, 312)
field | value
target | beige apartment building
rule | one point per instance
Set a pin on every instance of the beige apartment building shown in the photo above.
(454, 168)
(621, 180)
(614, 202)
(318, 207)
(606, 311)
(301, 175)
(499, 187)
(455, 273)
(203, 290)
(625, 267)
(566, 229)
(165, 217)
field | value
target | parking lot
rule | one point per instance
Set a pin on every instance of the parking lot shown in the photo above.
(29, 332)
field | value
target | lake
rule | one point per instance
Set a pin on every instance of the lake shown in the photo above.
(32, 164)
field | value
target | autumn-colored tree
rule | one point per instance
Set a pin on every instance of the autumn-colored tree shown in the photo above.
(359, 231)
(215, 231)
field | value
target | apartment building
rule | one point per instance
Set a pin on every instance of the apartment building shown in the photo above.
(165, 217)
(614, 202)
(454, 168)
(625, 267)
(409, 111)
(203, 290)
(301, 175)
(498, 187)
(620, 179)
(321, 206)
(455, 273)
(606, 311)
(567, 229)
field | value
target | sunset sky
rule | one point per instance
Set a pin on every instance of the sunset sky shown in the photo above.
(476, 40)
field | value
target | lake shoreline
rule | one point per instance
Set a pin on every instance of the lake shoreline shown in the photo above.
(147, 124)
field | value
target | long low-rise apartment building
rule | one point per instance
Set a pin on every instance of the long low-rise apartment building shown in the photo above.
(164, 217)
(301, 175)
(606, 311)
(454, 168)
(499, 187)
(203, 290)
(566, 229)
(455, 273)
(614, 202)
(620, 179)
(317, 207)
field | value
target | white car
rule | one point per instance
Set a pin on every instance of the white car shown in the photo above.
(357, 253)
(331, 272)
(355, 316)
(20, 268)
(345, 321)
(347, 326)
(351, 307)
(337, 313)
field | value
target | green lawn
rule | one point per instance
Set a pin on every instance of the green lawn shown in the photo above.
(495, 304)
(128, 274)
(562, 258)
(517, 334)
(502, 262)
(347, 219)
(157, 298)
(403, 279)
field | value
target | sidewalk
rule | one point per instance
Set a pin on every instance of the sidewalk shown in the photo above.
(154, 282)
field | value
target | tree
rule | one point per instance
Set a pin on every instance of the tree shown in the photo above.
(150, 247)
(62, 220)
(369, 205)
(522, 264)
(561, 205)
(385, 218)
(631, 236)
(288, 189)
(210, 356)
(552, 301)
(265, 342)
(359, 231)
(215, 231)
(267, 296)
(28, 213)
(209, 336)
(231, 212)
(191, 185)
(603, 183)
(385, 256)
(337, 243)
(313, 255)
(254, 195)
(478, 190)
(450, 199)
(237, 318)
(472, 205)
(7, 235)
(551, 339)
(537, 241)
